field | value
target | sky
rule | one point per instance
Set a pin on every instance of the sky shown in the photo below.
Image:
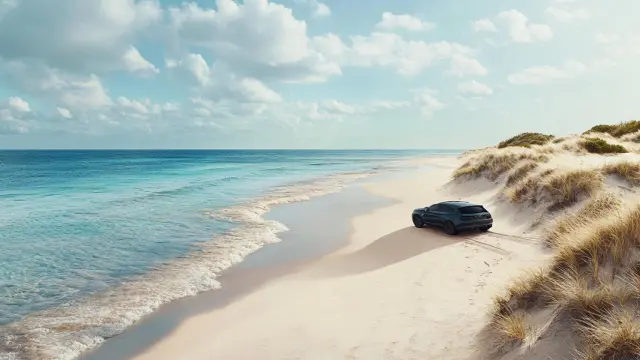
(453, 74)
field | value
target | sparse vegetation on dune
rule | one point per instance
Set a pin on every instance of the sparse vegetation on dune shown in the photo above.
(599, 146)
(598, 207)
(526, 140)
(618, 130)
(558, 190)
(614, 336)
(521, 172)
(493, 164)
(593, 280)
(567, 188)
(510, 329)
(590, 288)
(628, 171)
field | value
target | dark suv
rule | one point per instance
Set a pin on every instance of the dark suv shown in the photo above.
(453, 216)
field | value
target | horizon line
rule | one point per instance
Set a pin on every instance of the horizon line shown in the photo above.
(232, 149)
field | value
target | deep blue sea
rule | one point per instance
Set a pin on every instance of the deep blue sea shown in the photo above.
(90, 241)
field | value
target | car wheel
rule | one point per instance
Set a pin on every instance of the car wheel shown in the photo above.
(449, 228)
(417, 221)
(485, 228)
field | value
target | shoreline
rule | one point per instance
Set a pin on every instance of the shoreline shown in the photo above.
(256, 270)
(71, 332)
(378, 266)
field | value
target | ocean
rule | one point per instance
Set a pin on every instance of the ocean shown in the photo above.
(91, 241)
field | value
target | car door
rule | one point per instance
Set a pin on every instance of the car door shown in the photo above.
(435, 214)
(427, 216)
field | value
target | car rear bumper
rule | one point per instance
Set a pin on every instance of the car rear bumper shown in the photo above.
(475, 224)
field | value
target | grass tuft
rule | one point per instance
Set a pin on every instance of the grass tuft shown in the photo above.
(596, 208)
(494, 165)
(629, 171)
(599, 146)
(521, 172)
(526, 140)
(614, 336)
(510, 328)
(618, 130)
(567, 188)
(582, 297)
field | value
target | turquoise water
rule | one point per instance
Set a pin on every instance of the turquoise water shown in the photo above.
(90, 241)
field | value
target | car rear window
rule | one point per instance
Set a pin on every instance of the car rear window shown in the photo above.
(472, 209)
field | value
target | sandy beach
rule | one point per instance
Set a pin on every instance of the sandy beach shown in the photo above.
(556, 277)
(394, 292)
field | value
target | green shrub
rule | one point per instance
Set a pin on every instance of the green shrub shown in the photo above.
(526, 140)
(599, 146)
(616, 130)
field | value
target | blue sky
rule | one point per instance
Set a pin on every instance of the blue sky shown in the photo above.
(311, 73)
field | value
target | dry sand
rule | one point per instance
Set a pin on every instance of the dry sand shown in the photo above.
(395, 292)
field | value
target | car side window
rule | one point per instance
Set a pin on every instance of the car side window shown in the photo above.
(447, 209)
(435, 208)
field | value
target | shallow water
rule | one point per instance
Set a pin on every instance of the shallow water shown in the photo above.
(90, 241)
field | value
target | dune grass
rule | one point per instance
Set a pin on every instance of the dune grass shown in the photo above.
(493, 165)
(614, 336)
(617, 130)
(598, 207)
(567, 188)
(599, 146)
(527, 189)
(510, 328)
(526, 140)
(627, 170)
(521, 171)
(592, 281)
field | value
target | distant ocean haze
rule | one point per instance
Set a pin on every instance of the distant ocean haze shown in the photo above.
(90, 241)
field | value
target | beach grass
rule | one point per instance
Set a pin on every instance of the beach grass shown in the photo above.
(527, 140)
(600, 146)
(617, 130)
(627, 170)
(493, 165)
(592, 278)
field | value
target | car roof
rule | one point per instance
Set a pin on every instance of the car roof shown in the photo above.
(457, 203)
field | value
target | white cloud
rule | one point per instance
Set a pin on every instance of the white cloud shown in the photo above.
(257, 38)
(134, 62)
(336, 106)
(194, 66)
(64, 112)
(566, 14)
(407, 57)
(17, 104)
(483, 25)
(616, 46)
(474, 88)
(321, 9)
(6, 6)
(603, 38)
(521, 30)
(462, 65)
(15, 116)
(426, 102)
(72, 91)
(392, 21)
(79, 35)
(543, 74)
(318, 8)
